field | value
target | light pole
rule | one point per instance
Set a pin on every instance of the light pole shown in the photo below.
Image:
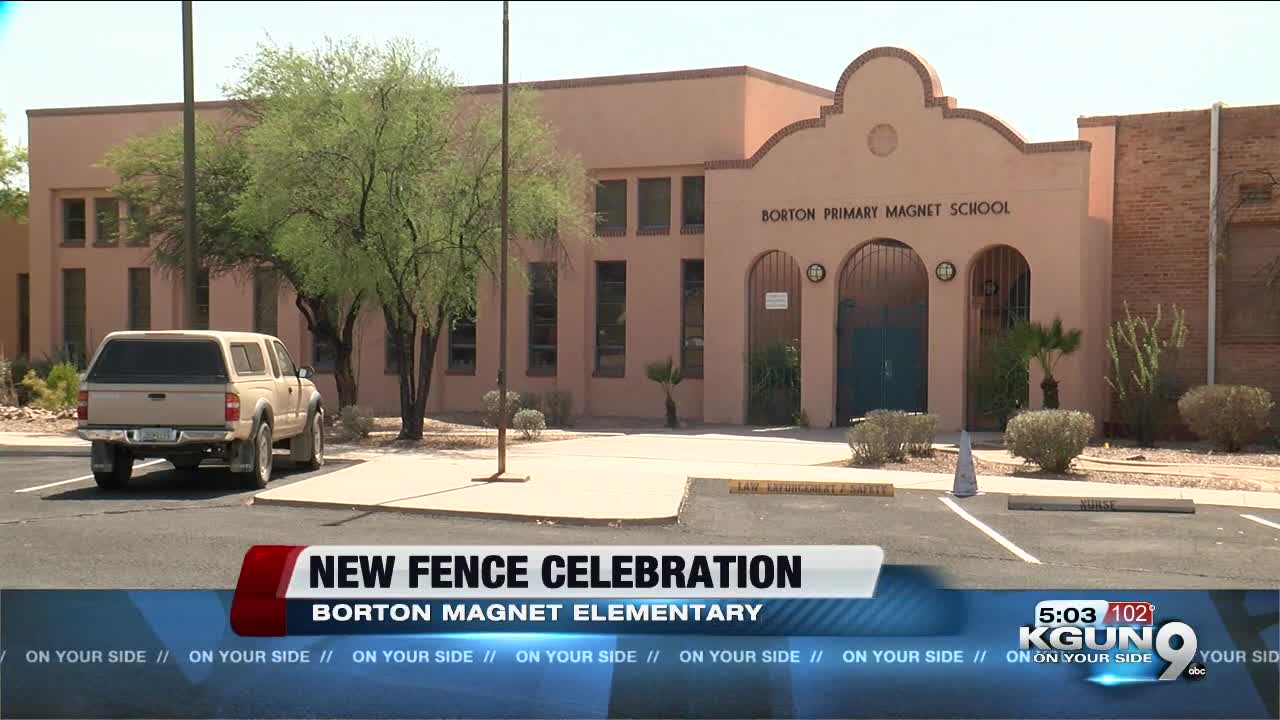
(188, 173)
(502, 282)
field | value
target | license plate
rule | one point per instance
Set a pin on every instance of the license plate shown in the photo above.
(157, 435)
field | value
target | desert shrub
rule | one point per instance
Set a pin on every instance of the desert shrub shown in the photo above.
(491, 407)
(1231, 416)
(530, 423)
(1049, 438)
(357, 420)
(533, 401)
(921, 431)
(869, 443)
(559, 408)
(60, 389)
(1002, 380)
(8, 391)
(1143, 373)
(897, 429)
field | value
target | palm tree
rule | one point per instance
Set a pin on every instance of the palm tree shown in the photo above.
(667, 375)
(1047, 346)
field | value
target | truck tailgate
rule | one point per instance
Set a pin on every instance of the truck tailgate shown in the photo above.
(177, 405)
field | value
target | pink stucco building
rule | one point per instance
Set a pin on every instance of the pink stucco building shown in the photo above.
(880, 229)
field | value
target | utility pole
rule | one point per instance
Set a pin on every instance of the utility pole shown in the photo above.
(188, 173)
(502, 313)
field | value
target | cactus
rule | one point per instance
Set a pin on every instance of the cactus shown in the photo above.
(1145, 391)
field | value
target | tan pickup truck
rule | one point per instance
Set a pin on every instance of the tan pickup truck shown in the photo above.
(187, 396)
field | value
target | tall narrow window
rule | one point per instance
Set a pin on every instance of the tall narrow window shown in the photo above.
(73, 315)
(321, 355)
(265, 299)
(691, 331)
(106, 221)
(542, 319)
(611, 207)
(692, 197)
(73, 221)
(202, 300)
(24, 316)
(139, 298)
(462, 345)
(655, 206)
(611, 318)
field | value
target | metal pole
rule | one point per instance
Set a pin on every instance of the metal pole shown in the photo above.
(502, 313)
(188, 172)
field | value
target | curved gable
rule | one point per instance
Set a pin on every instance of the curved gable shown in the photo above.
(931, 88)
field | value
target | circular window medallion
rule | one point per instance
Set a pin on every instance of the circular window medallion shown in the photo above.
(882, 140)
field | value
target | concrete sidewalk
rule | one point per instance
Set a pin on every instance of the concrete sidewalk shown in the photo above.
(29, 444)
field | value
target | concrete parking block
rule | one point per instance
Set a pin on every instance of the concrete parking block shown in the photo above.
(1104, 504)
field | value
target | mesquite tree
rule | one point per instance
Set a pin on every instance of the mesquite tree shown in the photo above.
(1144, 388)
(13, 166)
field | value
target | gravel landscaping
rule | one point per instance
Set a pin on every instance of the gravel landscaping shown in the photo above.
(1258, 455)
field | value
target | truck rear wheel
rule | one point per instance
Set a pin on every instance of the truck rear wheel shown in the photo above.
(118, 476)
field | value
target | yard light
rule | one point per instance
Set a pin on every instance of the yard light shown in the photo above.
(816, 273)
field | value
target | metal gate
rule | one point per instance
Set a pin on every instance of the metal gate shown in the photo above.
(773, 349)
(999, 298)
(882, 341)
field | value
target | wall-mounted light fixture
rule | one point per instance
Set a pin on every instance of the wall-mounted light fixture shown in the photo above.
(990, 287)
(816, 273)
(945, 271)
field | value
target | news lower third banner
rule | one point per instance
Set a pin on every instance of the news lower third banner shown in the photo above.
(615, 631)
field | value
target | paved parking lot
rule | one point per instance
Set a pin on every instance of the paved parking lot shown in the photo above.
(189, 530)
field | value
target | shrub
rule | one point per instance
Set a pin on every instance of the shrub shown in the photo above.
(869, 443)
(1143, 385)
(357, 420)
(668, 375)
(1049, 438)
(897, 431)
(8, 391)
(530, 423)
(1002, 381)
(774, 384)
(59, 390)
(921, 431)
(559, 408)
(491, 407)
(1231, 416)
(532, 401)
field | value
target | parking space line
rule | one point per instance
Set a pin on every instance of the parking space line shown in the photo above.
(1004, 542)
(1257, 519)
(79, 479)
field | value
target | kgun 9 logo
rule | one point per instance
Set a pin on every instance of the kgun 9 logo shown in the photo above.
(1070, 642)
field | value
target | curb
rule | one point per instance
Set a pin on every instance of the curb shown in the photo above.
(1101, 504)
(826, 488)
(466, 514)
(29, 451)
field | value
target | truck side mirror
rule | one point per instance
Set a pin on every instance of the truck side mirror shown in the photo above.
(306, 372)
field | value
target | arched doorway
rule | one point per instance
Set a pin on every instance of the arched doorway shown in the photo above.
(773, 323)
(882, 342)
(999, 298)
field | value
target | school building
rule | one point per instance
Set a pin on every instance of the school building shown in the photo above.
(873, 238)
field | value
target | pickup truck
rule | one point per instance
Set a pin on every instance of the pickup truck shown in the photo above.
(187, 396)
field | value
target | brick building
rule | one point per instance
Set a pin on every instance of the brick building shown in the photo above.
(880, 228)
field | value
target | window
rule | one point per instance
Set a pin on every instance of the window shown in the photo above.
(286, 363)
(248, 359)
(691, 331)
(106, 221)
(462, 345)
(202, 300)
(139, 299)
(322, 355)
(73, 221)
(265, 297)
(73, 315)
(24, 315)
(389, 349)
(611, 207)
(611, 318)
(655, 205)
(692, 196)
(181, 361)
(1251, 307)
(542, 319)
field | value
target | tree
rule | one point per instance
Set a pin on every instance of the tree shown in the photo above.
(1047, 345)
(668, 375)
(149, 169)
(13, 171)
(373, 152)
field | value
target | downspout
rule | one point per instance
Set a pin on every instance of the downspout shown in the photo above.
(1214, 117)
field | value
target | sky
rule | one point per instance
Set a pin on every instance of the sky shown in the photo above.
(1038, 66)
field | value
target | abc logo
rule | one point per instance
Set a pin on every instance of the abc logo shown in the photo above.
(1196, 671)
